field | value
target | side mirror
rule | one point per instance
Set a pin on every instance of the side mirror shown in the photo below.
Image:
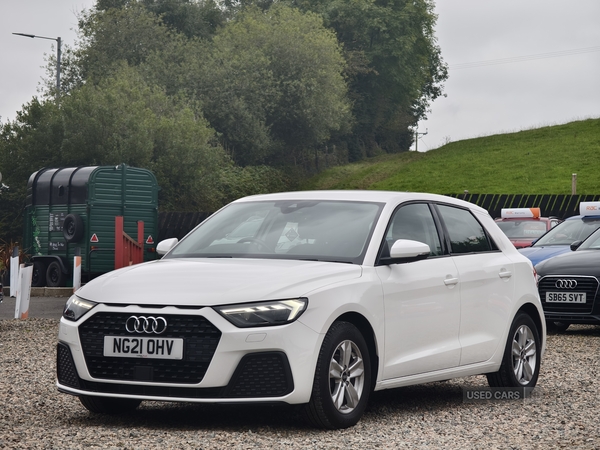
(165, 246)
(405, 251)
(575, 245)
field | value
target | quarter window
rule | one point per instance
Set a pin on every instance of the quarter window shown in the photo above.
(465, 232)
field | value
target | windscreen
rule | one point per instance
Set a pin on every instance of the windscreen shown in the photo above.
(522, 229)
(592, 242)
(569, 231)
(308, 230)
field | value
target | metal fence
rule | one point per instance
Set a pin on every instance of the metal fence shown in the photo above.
(178, 224)
(556, 205)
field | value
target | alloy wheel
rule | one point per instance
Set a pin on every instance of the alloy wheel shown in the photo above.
(524, 354)
(346, 376)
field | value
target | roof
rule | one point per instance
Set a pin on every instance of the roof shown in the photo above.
(362, 195)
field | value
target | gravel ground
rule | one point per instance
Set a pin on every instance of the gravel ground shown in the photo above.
(562, 413)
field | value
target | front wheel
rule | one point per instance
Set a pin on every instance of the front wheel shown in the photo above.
(342, 383)
(521, 362)
(108, 405)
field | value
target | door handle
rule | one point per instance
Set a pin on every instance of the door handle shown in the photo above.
(450, 281)
(505, 274)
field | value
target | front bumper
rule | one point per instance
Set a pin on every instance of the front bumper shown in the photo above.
(571, 312)
(221, 363)
(582, 319)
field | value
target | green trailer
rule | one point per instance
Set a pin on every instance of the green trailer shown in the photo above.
(71, 212)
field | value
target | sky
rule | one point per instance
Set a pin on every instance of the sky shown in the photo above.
(23, 59)
(553, 76)
(513, 64)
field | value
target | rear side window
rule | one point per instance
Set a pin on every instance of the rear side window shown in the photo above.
(465, 232)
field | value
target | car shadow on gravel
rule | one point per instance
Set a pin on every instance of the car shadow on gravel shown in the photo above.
(578, 330)
(193, 416)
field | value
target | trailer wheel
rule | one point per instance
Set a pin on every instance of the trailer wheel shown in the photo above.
(38, 277)
(73, 228)
(54, 275)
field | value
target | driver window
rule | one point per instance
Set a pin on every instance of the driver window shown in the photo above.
(414, 222)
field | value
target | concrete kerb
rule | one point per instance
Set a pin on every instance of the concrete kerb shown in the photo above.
(45, 291)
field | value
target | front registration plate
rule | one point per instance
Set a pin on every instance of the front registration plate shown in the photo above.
(565, 297)
(143, 347)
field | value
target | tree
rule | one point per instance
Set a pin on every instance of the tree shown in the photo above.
(270, 82)
(199, 19)
(123, 119)
(272, 85)
(107, 37)
(27, 144)
(394, 64)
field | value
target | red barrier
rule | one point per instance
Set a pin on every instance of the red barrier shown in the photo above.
(127, 250)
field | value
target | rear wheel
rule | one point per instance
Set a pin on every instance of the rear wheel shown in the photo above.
(342, 381)
(108, 405)
(54, 275)
(38, 276)
(521, 362)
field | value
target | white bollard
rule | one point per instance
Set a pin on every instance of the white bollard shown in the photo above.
(76, 273)
(23, 292)
(14, 272)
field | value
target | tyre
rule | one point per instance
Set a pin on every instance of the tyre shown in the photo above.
(54, 275)
(520, 366)
(38, 276)
(557, 327)
(73, 228)
(109, 405)
(342, 383)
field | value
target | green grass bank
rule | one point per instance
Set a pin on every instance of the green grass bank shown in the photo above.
(536, 161)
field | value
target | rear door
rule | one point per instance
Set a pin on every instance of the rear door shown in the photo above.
(487, 283)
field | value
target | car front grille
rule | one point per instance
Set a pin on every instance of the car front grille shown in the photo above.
(65, 367)
(258, 375)
(261, 375)
(200, 342)
(589, 285)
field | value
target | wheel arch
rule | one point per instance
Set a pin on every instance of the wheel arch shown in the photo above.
(532, 311)
(365, 328)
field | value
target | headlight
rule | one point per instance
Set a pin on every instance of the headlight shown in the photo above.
(77, 307)
(263, 314)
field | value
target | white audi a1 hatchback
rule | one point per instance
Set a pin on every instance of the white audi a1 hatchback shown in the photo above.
(325, 297)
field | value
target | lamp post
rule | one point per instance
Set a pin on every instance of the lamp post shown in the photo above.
(58, 42)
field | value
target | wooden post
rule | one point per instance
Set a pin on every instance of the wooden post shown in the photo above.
(574, 184)
(140, 232)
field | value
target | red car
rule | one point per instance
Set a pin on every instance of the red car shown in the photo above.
(524, 225)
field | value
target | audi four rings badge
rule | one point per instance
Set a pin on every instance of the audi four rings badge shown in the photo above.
(565, 284)
(149, 325)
